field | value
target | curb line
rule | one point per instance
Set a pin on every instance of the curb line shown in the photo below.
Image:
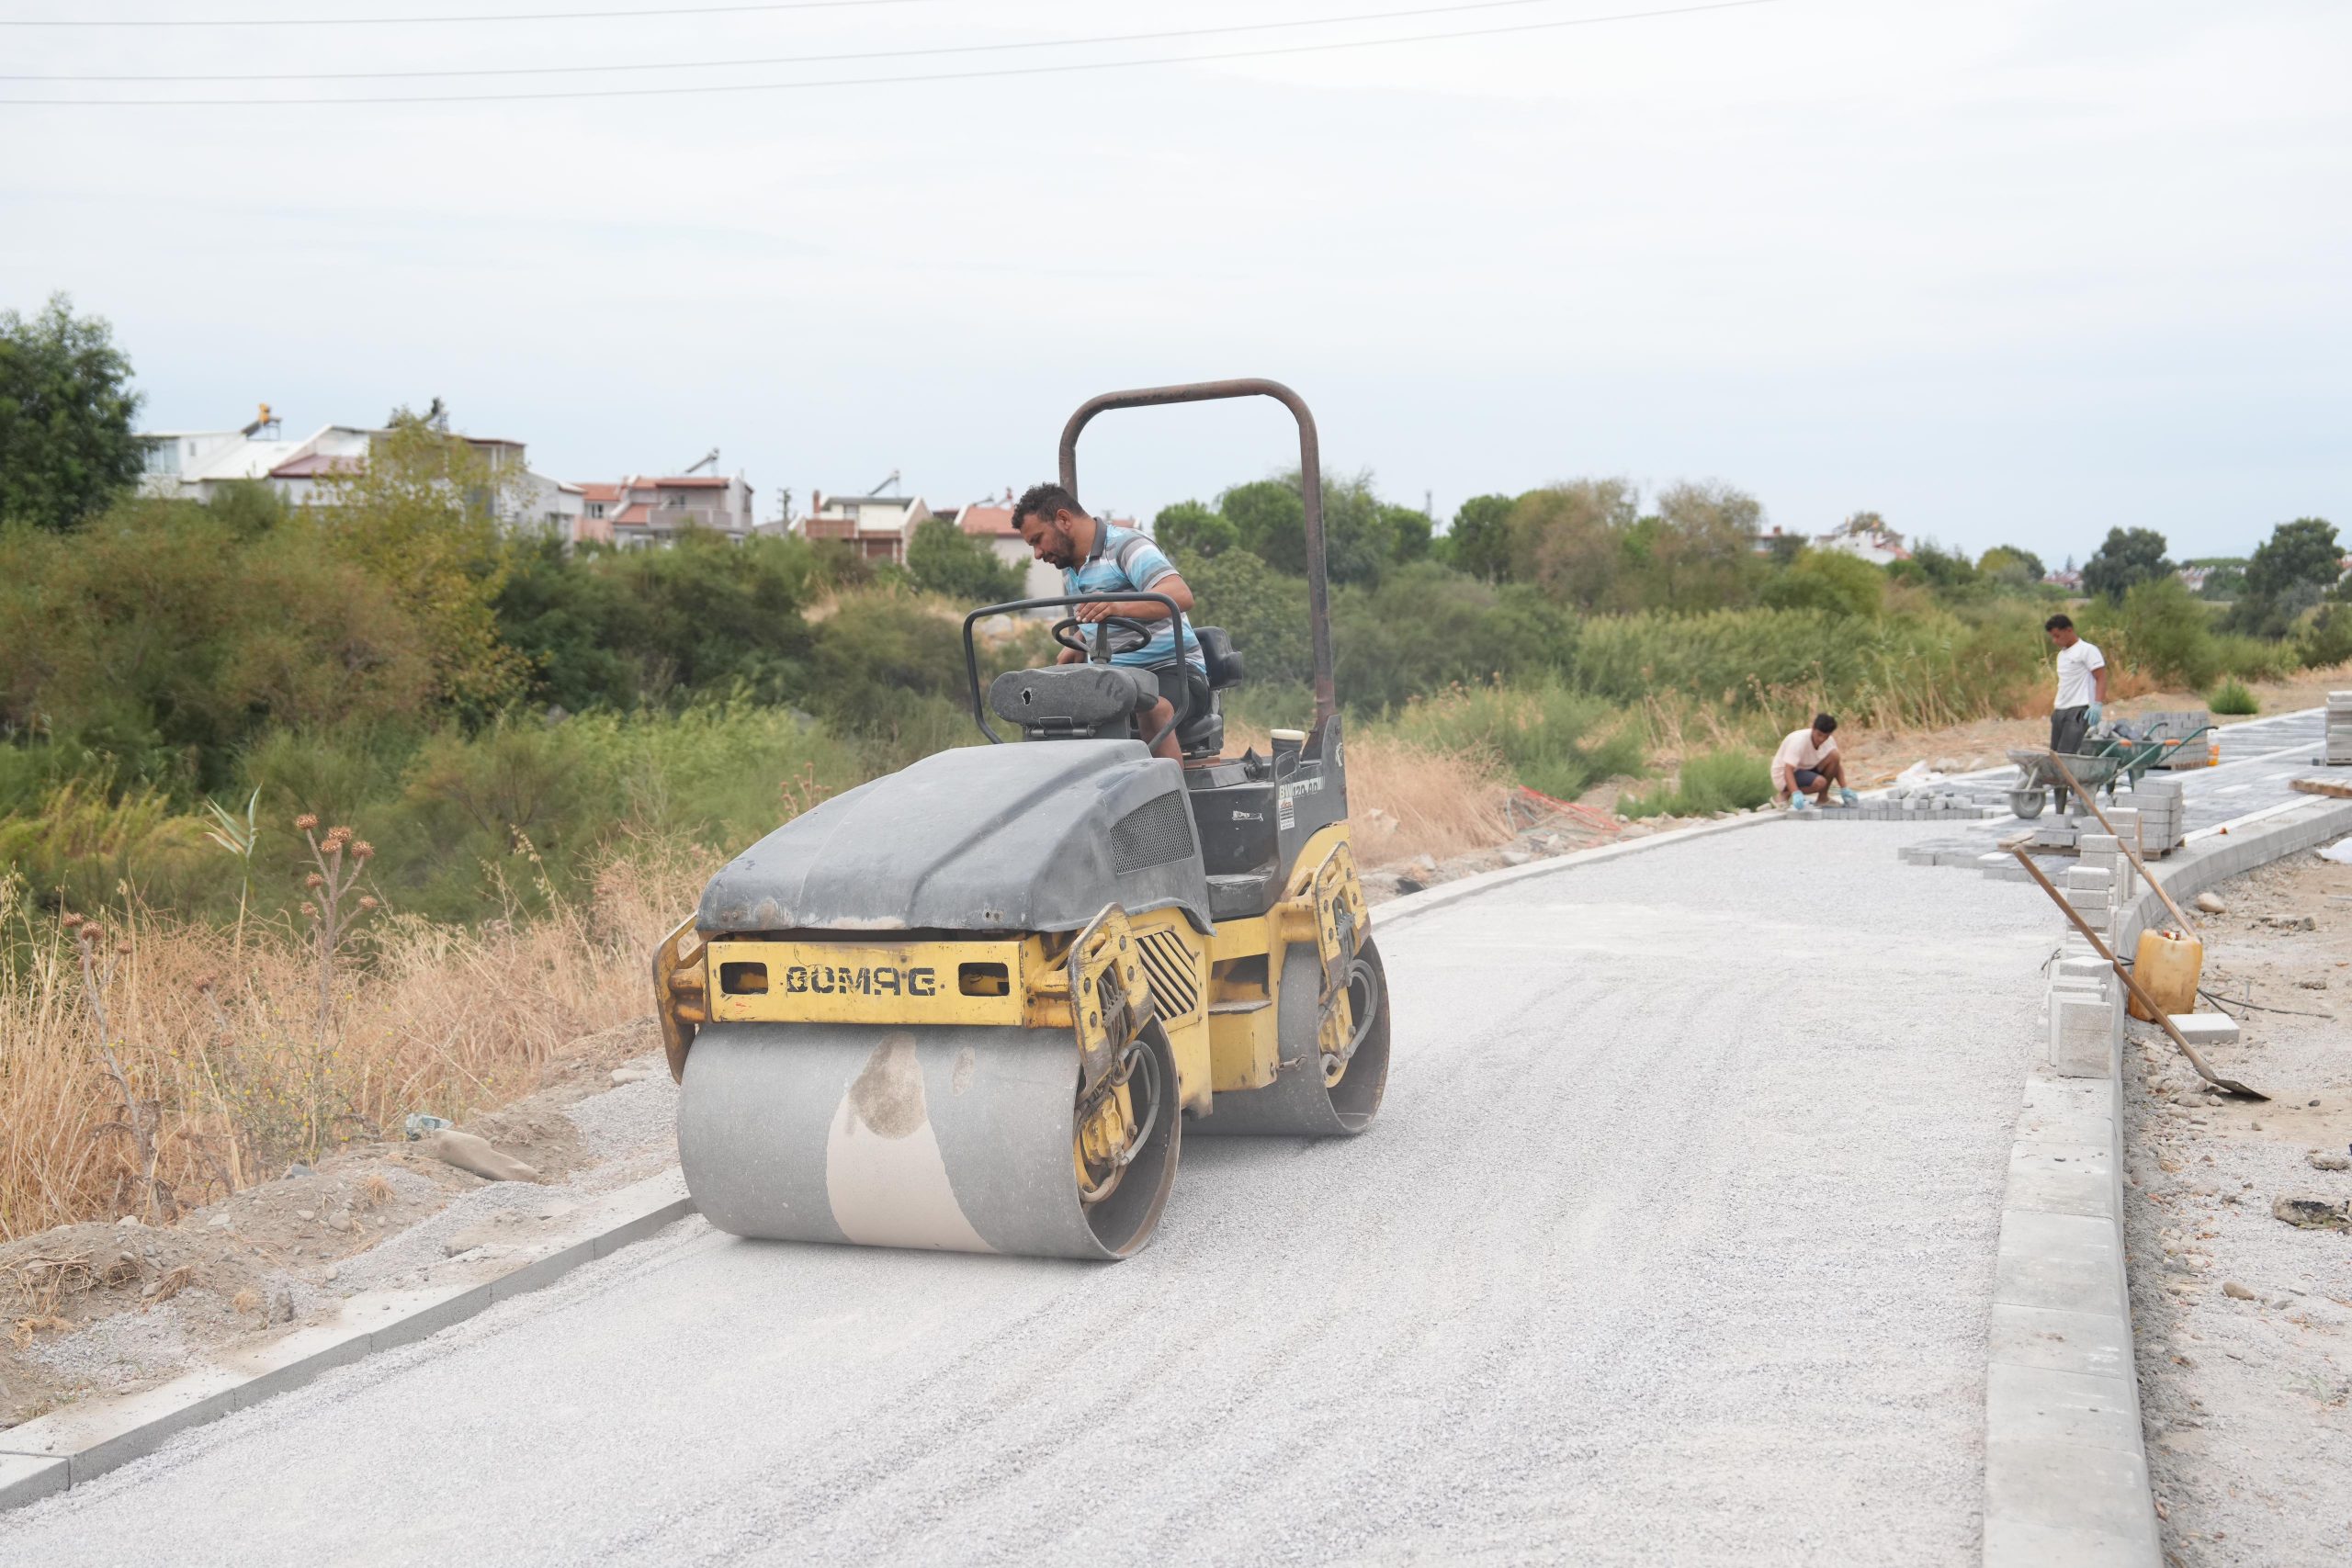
(1415, 905)
(67, 1448)
(2065, 1465)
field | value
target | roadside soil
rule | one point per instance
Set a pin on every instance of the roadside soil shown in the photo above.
(1877, 756)
(2242, 1321)
(98, 1308)
(1544, 831)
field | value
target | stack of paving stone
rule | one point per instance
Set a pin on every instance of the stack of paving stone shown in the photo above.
(2159, 806)
(2176, 726)
(2339, 731)
(2085, 1001)
(1928, 805)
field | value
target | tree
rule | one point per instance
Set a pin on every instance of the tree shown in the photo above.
(2011, 565)
(1194, 531)
(2301, 551)
(1479, 540)
(1567, 539)
(1699, 551)
(1363, 536)
(2124, 557)
(943, 559)
(1942, 567)
(1268, 520)
(422, 517)
(1835, 581)
(2290, 572)
(66, 405)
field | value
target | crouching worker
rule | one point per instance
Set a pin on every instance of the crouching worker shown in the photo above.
(1808, 764)
(1096, 557)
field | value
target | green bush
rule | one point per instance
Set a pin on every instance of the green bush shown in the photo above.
(2233, 698)
(2161, 630)
(1550, 737)
(2326, 637)
(1711, 782)
(941, 559)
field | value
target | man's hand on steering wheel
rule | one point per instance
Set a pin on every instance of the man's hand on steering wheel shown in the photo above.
(1124, 634)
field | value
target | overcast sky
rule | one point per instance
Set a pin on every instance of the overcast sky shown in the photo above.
(2002, 270)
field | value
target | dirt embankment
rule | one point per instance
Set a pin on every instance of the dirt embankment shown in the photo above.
(100, 1308)
(2243, 1320)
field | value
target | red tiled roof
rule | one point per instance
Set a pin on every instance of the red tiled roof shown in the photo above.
(684, 481)
(640, 512)
(601, 492)
(989, 522)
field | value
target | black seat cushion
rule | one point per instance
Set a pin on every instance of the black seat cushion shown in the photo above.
(1222, 659)
(1072, 699)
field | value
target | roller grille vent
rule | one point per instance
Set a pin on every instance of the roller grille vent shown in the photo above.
(1155, 833)
(1175, 987)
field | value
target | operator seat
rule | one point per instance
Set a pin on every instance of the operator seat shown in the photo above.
(1202, 732)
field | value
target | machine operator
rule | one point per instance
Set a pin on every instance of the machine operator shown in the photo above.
(1096, 557)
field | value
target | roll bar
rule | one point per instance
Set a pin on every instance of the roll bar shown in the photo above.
(1310, 479)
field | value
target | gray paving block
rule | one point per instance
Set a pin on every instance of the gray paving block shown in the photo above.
(2202, 1028)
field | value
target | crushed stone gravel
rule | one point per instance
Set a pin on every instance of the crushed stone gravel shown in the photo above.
(1673, 1245)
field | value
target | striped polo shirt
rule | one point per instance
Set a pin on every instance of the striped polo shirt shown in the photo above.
(1126, 561)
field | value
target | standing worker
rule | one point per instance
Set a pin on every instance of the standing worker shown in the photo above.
(2082, 687)
(1807, 765)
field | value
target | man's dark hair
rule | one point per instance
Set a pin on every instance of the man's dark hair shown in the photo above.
(1824, 723)
(2059, 624)
(1044, 501)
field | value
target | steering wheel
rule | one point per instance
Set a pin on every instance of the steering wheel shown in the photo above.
(1124, 634)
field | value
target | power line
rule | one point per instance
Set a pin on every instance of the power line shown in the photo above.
(715, 88)
(800, 59)
(440, 21)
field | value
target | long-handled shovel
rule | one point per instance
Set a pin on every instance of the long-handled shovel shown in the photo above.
(2131, 984)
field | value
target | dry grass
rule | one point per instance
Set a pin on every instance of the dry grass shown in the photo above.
(1406, 800)
(220, 1039)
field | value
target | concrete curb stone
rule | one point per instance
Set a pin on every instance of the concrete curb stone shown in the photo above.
(1415, 905)
(69, 1447)
(2066, 1471)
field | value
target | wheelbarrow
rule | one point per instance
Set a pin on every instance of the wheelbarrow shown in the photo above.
(2138, 751)
(2036, 779)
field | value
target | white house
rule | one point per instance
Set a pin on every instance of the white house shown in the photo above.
(1880, 547)
(197, 465)
(877, 526)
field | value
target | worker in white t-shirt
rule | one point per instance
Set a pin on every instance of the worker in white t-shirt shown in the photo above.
(2082, 687)
(1808, 764)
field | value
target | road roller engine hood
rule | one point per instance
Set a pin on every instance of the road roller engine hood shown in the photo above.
(985, 839)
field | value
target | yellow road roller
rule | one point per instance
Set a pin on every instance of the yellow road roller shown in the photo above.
(979, 1003)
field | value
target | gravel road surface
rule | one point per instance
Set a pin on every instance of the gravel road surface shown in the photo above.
(1673, 1244)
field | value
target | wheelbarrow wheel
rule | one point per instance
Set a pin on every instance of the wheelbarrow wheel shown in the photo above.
(2028, 803)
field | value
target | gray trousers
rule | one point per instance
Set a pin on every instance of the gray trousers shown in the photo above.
(2067, 727)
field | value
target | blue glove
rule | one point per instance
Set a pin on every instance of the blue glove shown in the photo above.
(2091, 713)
